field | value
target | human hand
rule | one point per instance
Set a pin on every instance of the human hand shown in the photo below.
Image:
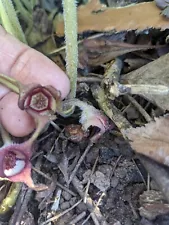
(28, 66)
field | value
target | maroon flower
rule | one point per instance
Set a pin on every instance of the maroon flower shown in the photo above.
(91, 117)
(43, 100)
(15, 163)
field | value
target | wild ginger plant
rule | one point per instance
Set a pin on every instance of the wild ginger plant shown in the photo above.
(42, 103)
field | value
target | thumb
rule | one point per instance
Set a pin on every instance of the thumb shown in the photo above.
(28, 66)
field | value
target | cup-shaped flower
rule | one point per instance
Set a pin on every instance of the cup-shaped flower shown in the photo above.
(15, 163)
(43, 100)
(91, 117)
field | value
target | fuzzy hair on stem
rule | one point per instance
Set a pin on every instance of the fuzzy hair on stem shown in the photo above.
(70, 26)
(10, 20)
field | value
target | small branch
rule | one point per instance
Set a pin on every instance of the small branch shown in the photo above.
(140, 108)
(55, 218)
(77, 218)
(138, 89)
(79, 162)
(96, 215)
(89, 180)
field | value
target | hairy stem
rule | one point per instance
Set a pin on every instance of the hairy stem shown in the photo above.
(70, 24)
(10, 21)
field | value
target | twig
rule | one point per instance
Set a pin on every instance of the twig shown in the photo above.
(89, 180)
(66, 189)
(139, 172)
(89, 79)
(140, 108)
(55, 126)
(115, 166)
(148, 182)
(93, 209)
(112, 72)
(55, 218)
(79, 162)
(57, 183)
(97, 204)
(110, 110)
(77, 218)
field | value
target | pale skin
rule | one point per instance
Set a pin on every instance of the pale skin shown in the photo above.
(28, 66)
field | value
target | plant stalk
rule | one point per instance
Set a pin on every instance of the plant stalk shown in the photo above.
(10, 199)
(70, 26)
(10, 20)
(10, 83)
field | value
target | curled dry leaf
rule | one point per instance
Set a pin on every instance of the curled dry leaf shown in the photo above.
(151, 140)
(95, 17)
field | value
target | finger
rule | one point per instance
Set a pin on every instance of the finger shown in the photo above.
(28, 65)
(17, 122)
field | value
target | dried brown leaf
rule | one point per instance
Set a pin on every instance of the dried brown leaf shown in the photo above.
(95, 17)
(154, 73)
(94, 52)
(152, 139)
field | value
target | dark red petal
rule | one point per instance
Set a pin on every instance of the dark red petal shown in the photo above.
(25, 91)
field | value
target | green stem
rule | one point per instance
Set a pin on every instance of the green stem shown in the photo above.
(5, 136)
(10, 199)
(29, 5)
(70, 23)
(10, 83)
(25, 14)
(10, 21)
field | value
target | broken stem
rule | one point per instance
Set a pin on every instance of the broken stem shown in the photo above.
(140, 89)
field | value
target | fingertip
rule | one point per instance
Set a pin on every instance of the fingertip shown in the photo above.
(17, 122)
